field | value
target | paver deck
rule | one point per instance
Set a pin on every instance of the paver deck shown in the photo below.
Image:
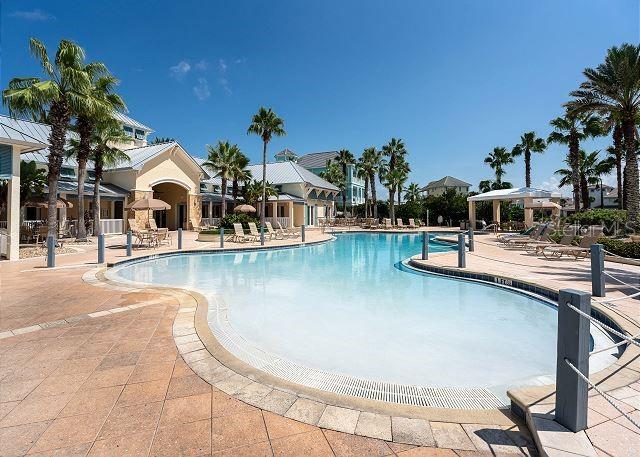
(115, 384)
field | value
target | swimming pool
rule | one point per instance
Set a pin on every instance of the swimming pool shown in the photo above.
(348, 307)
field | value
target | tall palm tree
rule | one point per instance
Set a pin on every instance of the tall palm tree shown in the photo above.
(344, 159)
(362, 172)
(240, 174)
(497, 159)
(571, 129)
(107, 133)
(616, 156)
(613, 88)
(252, 191)
(391, 180)
(374, 161)
(395, 150)
(333, 173)
(266, 124)
(55, 99)
(591, 171)
(529, 143)
(485, 186)
(221, 160)
(412, 193)
(404, 169)
(101, 101)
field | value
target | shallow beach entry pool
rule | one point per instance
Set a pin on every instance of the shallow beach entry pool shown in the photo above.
(346, 313)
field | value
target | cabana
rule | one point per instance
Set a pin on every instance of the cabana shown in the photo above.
(529, 196)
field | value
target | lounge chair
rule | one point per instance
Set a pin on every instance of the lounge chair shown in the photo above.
(387, 223)
(582, 250)
(375, 224)
(569, 234)
(275, 234)
(290, 231)
(400, 224)
(516, 240)
(528, 233)
(412, 224)
(238, 234)
(163, 233)
(253, 230)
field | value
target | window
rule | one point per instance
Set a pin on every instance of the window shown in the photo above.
(104, 213)
(205, 210)
(203, 187)
(128, 131)
(140, 134)
(118, 209)
(67, 172)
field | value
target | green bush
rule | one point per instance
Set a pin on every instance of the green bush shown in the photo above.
(611, 219)
(235, 218)
(414, 210)
(618, 247)
(210, 232)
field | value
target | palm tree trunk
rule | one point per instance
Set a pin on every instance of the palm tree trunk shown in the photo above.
(527, 168)
(631, 173)
(59, 116)
(223, 205)
(366, 197)
(234, 191)
(392, 212)
(601, 195)
(618, 147)
(84, 131)
(574, 160)
(584, 190)
(399, 195)
(374, 198)
(263, 204)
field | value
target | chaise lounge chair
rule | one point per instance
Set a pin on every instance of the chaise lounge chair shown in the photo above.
(412, 224)
(400, 224)
(582, 250)
(275, 234)
(253, 230)
(569, 234)
(238, 234)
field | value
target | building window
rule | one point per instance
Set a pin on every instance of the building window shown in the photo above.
(118, 212)
(139, 134)
(67, 172)
(128, 131)
(205, 210)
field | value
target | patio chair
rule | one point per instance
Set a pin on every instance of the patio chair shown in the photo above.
(253, 230)
(163, 233)
(582, 250)
(375, 224)
(568, 235)
(412, 224)
(275, 234)
(290, 231)
(238, 234)
(400, 224)
(516, 239)
(387, 223)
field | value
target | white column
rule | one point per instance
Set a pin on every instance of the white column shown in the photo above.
(13, 206)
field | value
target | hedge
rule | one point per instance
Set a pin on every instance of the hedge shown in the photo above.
(621, 248)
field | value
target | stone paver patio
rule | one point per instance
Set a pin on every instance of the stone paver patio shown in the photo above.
(114, 383)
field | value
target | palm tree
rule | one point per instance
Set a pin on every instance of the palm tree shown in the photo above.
(396, 151)
(613, 89)
(265, 124)
(221, 160)
(412, 193)
(591, 171)
(101, 101)
(56, 98)
(391, 180)
(107, 133)
(253, 191)
(240, 173)
(344, 159)
(403, 168)
(497, 159)
(362, 172)
(571, 129)
(485, 186)
(333, 173)
(616, 154)
(529, 143)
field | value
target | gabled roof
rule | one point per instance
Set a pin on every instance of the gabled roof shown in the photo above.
(26, 133)
(290, 173)
(140, 156)
(132, 122)
(447, 181)
(317, 159)
(286, 152)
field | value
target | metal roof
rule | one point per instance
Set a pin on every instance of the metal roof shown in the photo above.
(140, 156)
(517, 193)
(447, 181)
(27, 133)
(41, 156)
(215, 197)
(132, 122)
(106, 190)
(290, 173)
(317, 159)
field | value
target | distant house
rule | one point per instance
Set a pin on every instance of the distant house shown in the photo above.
(316, 162)
(448, 182)
(286, 155)
(609, 194)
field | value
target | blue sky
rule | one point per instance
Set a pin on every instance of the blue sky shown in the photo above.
(453, 79)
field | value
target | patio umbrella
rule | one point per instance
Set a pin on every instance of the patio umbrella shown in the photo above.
(148, 204)
(244, 209)
(44, 203)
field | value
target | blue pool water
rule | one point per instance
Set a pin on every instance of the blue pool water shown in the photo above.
(348, 307)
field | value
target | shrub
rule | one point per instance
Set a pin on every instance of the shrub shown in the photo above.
(618, 247)
(235, 218)
(612, 219)
(414, 210)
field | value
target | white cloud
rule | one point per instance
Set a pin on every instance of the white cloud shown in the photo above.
(201, 90)
(201, 65)
(36, 15)
(222, 66)
(240, 60)
(553, 184)
(180, 70)
(224, 83)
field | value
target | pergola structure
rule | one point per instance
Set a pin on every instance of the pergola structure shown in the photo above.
(531, 197)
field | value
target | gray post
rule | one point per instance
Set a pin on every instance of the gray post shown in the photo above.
(573, 346)
(425, 245)
(101, 248)
(302, 234)
(597, 271)
(221, 237)
(51, 251)
(261, 235)
(179, 238)
(129, 243)
(472, 245)
(427, 218)
(462, 261)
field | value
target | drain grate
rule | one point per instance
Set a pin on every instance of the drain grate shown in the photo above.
(436, 397)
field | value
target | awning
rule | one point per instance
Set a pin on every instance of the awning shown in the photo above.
(519, 193)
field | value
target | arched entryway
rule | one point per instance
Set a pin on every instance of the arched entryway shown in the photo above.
(176, 195)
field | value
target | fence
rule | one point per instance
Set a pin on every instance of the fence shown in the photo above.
(284, 221)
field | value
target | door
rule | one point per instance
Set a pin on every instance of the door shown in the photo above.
(160, 218)
(182, 215)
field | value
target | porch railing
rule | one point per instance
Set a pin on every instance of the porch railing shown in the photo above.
(211, 221)
(112, 226)
(284, 221)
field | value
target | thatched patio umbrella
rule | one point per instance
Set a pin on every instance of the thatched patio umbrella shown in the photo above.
(148, 204)
(44, 203)
(244, 209)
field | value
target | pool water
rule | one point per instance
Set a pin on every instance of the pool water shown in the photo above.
(350, 307)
